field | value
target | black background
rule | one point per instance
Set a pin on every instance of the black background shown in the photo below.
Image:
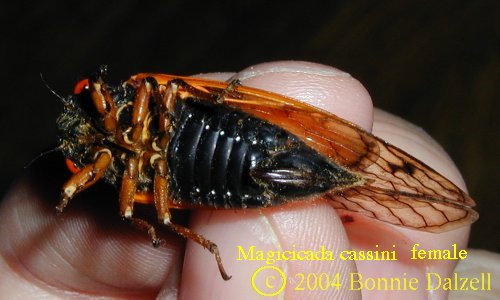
(437, 65)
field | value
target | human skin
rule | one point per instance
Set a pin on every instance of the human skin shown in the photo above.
(85, 253)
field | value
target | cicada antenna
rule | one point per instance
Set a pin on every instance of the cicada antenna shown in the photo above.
(63, 100)
(57, 148)
(42, 154)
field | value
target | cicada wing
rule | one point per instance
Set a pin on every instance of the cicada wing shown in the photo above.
(397, 188)
(402, 190)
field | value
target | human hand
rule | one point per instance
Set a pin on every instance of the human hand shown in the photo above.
(83, 254)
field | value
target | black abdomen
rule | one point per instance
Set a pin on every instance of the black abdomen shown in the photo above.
(221, 157)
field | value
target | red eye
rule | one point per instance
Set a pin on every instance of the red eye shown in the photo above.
(71, 165)
(80, 86)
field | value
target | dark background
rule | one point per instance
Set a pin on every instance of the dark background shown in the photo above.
(437, 65)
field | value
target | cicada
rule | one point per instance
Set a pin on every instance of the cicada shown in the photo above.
(187, 143)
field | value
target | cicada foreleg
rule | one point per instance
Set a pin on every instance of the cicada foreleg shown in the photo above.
(85, 177)
(103, 101)
(164, 97)
(140, 110)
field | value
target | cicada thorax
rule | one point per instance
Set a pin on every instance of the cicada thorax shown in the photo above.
(83, 133)
(217, 156)
(130, 140)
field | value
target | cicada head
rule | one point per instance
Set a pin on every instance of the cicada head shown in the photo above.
(77, 133)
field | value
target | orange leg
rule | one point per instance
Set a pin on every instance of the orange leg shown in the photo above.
(140, 110)
(128, 188)
(127, 193)
(161, 190)
(146, 88)
(84, 178)
(104, 103)
(207, 244)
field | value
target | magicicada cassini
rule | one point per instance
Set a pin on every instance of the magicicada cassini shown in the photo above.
(187, 143)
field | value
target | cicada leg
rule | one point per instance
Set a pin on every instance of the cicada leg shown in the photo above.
(85, 177)
(227, 91)
(207, 244)
(128, 187)
(103, 101)
(127, 198)
(161, 189)
(164, 99)
(140, 110)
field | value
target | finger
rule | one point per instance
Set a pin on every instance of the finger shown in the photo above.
(485, 266)
(303, 226)
(87, 251)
